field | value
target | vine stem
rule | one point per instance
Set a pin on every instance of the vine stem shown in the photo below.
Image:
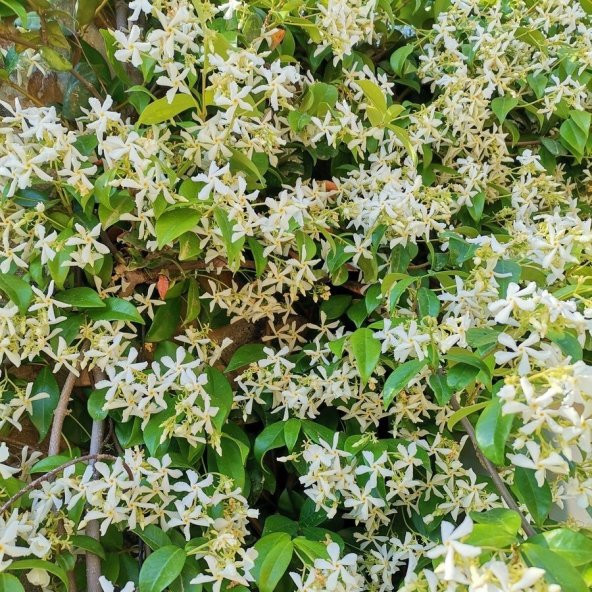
(62, 410)
(93, 563)
(60, 414)
(492, 471)
(51, 474)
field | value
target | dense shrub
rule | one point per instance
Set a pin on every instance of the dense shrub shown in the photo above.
(296, 295)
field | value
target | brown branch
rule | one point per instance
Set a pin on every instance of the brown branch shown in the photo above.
(61, 411)
(93, 562)
(49, 476)
(121, 8)
(24, 92)
(60, 414)
(89, 87)
(492, 471)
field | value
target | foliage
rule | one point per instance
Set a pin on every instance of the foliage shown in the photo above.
(306, 284)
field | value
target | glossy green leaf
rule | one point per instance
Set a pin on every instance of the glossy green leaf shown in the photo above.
(160, 568)
(17, 289)
(174, 223)
(81, 298)
(10, 583)
(245, 355)
(537, 499)
(274, 556)
(165, 322)
(492, 431)
(557, 569)
(366, 351)
(49, 566)
(43, 409)
(573, 546)
(400, 378)
(162, 110)
(501, 106)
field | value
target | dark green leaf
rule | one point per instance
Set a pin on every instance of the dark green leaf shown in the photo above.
(537, 499)
(43, 409)
(492, 430)
(399, 379)
(17, 289)
(81, 298)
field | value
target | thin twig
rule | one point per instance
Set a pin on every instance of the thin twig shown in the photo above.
(62, 410)
(490, 468)
(93, 562)
(24, 92)
(60, 414)
(95, 93)
(49, 476)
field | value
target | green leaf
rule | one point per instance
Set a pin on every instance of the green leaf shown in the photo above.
(366, 351)
(161, 568)
(442, 391)
(536, 499)
(501, 106)
(233, 247)
(574, 132)
(476, 210)
(403, 137)
(509, 520)
(310, 551)
(257, 251)
(161, 110)
(117, 309)
(219, 389)
(174, 223)
(291, 432)
(462, 356)
(55, 60)
(193, 302)
(95, 404)
(48, 566)
(9, 583)
(271, 437)
(245, 355)
(274, 555)
(18, 9)
(568, 344)
(557, 569)
(43, 409)
(492, 431)
(81, 298)
(81, 541)
(490, 536)
(49, 463)
(573, 546)
(153, 430)
(85, 12)
(165, 322)
(17, 289)
(399, 379)
(398, 59)
(231, 461)
(376, 101)
(428, 303)
(464, 412)
(153, 536)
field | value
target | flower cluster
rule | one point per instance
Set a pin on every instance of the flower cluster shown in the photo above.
(296, 296)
